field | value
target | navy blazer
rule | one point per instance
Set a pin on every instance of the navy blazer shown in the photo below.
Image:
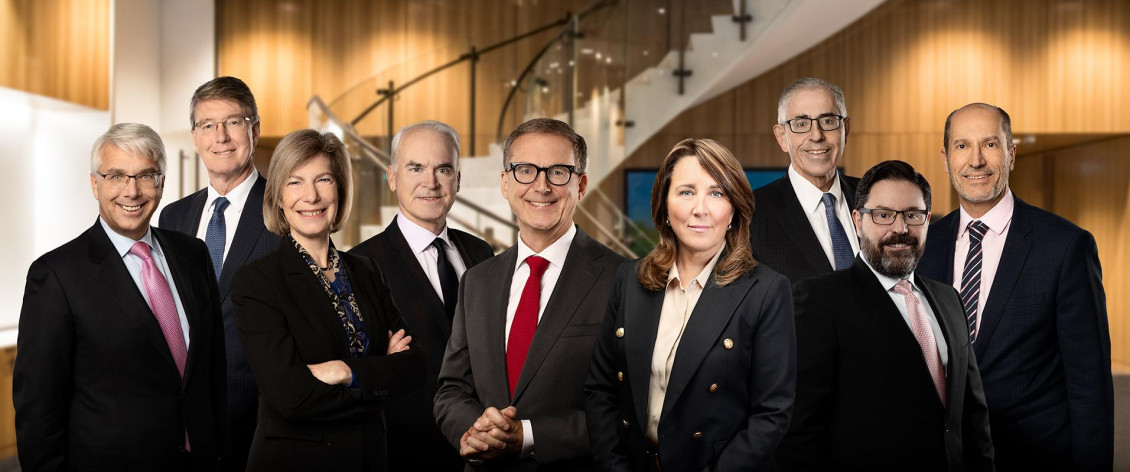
(95, 386)
(781, 236)
(414, 440)
(865, 400)
(251, 241)
(1044, 344)
(731, 387)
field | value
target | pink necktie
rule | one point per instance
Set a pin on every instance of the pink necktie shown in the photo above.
(164, 309)
(925, 337)
(525, 321)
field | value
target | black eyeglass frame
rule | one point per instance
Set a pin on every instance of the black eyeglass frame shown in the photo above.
(514, 172)
(840, 123)
(869, 211)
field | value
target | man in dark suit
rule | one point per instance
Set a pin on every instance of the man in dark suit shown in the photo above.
(228, 216)
(121, 352)
(886, 378)
(424, 174)
(1032, 291)
(510, 393)
(802, 225)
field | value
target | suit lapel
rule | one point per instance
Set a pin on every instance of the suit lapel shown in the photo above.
(952, 331)
(117, 282)
(301, 282)
(1008, 272)
(716, 306)
(179, 266)
(190, 223)
(949, 233)
(641, 324)
(407, 260)
(578, 276)
(360, 276)
(492, 335)
(794, 221)
(247, 232)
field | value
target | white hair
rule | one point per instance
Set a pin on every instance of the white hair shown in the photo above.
(447, 132)
(133, 138)
(809, 83)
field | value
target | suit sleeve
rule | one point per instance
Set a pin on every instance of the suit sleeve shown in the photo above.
(457, 404)
(380, 375)
(602, 388)
(772, 381)
(1084, 340)
(43, 373)
(805, 446)
(285, 382)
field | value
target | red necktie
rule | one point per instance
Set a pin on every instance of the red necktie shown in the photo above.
(525, 321)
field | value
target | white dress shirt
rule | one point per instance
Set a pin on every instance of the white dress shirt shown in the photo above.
(999, 219)
(812, 202)
(237, 198)
(888, 284)
(555, 254)
(133, 263)
(420, 241)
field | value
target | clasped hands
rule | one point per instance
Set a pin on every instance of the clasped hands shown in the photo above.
(339, 373)
(494, 434)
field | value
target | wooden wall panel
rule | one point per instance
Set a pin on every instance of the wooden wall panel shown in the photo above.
(57, 48)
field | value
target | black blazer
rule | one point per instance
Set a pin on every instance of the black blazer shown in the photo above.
(780, 233)
(865, 399)
(548, 393)
(286, 322)
(1044, 345)
(95, 386)
(731, 387)
(251, 241)
(414, 440)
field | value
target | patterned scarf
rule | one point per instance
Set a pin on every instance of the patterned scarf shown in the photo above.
(348, 311)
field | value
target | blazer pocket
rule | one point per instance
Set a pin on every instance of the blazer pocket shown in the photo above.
(307, 432)
(586, 329)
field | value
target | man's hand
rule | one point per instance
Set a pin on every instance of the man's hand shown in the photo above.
(495, 434)
(332, 372)
(397, 342)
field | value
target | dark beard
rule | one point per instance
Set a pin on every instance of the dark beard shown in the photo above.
(896, 266)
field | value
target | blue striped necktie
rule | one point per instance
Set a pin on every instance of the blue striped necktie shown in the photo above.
(841, 248)
(971, 276)
(217, 235)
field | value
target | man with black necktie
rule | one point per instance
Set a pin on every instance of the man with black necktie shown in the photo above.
(802, 224)
(886, 378)
(1032, 290)
(228, 216)
(121, 345)
(510, 394)
(418, 249)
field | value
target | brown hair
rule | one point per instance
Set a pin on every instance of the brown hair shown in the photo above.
(724, 168)
(552, 127)
(296, 149)
(224, 88)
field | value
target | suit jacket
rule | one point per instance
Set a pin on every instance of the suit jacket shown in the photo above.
(473, 376)
(287, 321)
(251, 241)
(780, 233)
(95, 385)
(1044, 345)
(414, 440)
(865, 399)
(731, 387)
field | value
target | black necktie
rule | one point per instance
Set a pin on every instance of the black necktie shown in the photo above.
(448, 281)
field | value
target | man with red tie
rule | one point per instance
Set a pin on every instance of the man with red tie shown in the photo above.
(121, 348)
(510, 393)
(886, 377)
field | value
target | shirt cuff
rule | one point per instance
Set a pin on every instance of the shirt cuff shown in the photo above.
(353, 383)
(527, 440)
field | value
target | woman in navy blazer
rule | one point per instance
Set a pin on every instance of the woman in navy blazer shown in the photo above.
(677, 384)
(324, 340)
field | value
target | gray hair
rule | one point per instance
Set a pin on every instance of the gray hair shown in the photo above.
(551, 127)
(224, 88)
(447, 132)
(133, 138)
(809, 83)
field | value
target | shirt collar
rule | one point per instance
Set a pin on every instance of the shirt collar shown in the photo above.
(889, 283)
(419, 238)
(123, 244)
(555, 253)
(811, 197)
(704, 276)
(997, 219)
(237, 196)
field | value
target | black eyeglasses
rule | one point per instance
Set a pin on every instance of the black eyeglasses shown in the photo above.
(882, 216)
(559, 174)
(828, 122)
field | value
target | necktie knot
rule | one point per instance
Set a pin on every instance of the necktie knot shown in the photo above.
(439, 244)
(220, 204)
(828, 199)
(977, 230)
(902, 287)
(141, 249)
(537, 265)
